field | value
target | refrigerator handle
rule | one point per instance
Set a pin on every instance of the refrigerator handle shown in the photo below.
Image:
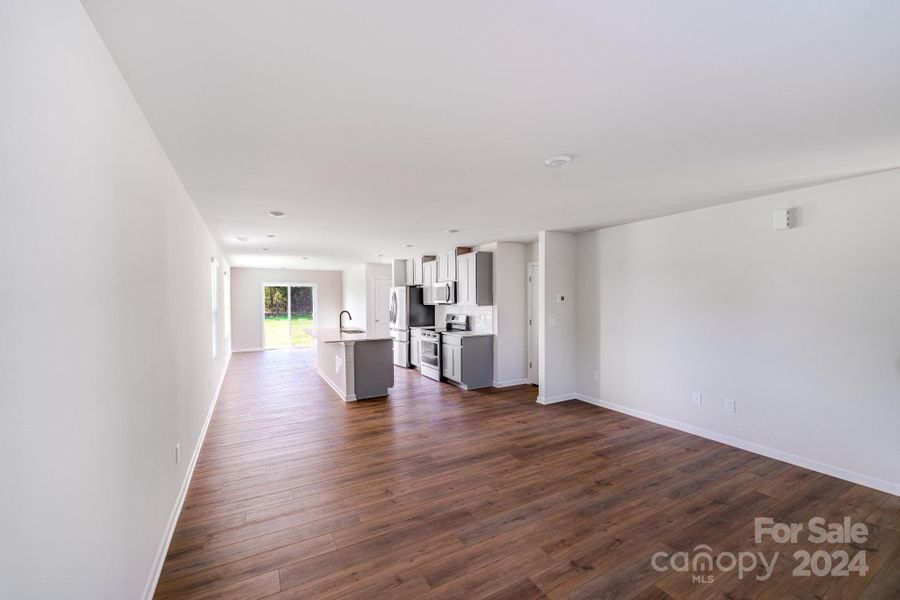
(393, 313)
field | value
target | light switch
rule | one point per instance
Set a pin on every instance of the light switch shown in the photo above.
(781, 219)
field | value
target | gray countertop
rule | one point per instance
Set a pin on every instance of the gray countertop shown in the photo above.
(333, 335)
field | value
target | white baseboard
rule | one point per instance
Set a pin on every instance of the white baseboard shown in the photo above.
(248, 350)
(510, 383)
(800, 461)
(344, 397)
(555, 399)
(152, 582)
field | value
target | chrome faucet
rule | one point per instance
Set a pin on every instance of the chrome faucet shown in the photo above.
(341, 318)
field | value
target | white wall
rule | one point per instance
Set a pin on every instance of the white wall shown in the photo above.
(354, 284)
(247, 300)
(557, 320)
(506, 317)
(800, 327)
(106, 358)
(510, 318)
(359, 292)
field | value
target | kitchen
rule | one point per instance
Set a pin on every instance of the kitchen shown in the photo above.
(440, 314)
(461, 317)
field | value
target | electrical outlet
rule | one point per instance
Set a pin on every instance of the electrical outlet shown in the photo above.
(178, 453)
(698, 399)
(730, 405)
(596, 375)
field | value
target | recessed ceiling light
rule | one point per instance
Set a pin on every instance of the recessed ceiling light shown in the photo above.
(558, 161)
(408, 246)
(270, 235)
(381, 256)
(276, 213)
(304, 258)
(451, 231)
(243, 238)
(265, 249)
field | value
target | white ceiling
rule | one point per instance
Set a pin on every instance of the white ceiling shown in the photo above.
(377, 124)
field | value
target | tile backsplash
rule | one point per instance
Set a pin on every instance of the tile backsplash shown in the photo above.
(481, 318)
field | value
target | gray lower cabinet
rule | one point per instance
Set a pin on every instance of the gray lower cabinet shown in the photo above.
(451, 361)
(468, 361)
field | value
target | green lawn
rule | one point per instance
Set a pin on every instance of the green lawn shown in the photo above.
(276, 331)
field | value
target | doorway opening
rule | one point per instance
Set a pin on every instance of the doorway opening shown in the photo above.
(289, 315)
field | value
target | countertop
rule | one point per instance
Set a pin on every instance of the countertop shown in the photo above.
(333, 335)
(464, 333)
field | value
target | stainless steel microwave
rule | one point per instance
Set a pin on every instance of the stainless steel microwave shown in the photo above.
(445, 292)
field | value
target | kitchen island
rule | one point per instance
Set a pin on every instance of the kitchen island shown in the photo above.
(356, 365)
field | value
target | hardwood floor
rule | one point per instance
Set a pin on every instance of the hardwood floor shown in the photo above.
(440, 493)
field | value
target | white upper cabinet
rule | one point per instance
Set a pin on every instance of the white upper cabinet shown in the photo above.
(417, 271)
(475, 281)
(402, 272)
(446, 270)
(429, 279)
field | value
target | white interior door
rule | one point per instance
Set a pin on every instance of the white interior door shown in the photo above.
(533, 323)
(382, 306)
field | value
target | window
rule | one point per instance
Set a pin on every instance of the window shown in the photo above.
(214, 280)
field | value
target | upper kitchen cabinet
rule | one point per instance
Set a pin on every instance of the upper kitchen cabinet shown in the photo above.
(418, 269)
(402, 272)
(446, 270)
(446, 266)
(429, 279)
(475, 279)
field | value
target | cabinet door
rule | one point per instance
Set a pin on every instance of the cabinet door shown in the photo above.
(447, 361)
(417, 271)
(429, 277)
(462, 283)
(456, 364)
(415, 352)
(471, 276)
(398, 273)
(444, 259)
(451, 265)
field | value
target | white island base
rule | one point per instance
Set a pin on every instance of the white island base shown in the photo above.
(356, 366)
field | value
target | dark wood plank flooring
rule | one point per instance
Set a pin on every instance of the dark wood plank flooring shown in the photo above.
(440, 493)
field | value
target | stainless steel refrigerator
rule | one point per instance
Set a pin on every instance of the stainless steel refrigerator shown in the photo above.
(407, 310)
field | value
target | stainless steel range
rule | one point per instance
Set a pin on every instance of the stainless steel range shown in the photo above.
(430, 360)
(431, 345)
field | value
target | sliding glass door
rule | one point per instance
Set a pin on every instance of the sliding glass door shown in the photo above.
(288, 315)
(301, 309)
